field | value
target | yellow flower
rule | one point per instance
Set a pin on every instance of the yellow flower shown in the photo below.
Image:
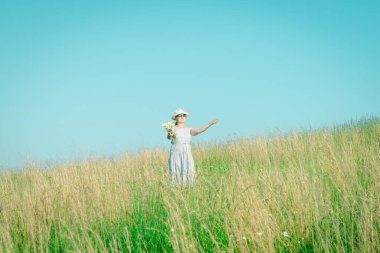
(167, 126)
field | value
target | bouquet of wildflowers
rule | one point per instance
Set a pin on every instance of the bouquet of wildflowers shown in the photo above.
(167, 127)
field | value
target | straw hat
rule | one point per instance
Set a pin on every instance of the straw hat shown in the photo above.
(179, 111)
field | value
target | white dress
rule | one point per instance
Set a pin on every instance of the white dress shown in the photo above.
(181, 162)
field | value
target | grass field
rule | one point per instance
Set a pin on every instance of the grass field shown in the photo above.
(310, 191)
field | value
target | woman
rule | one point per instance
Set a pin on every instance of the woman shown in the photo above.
(181, 163)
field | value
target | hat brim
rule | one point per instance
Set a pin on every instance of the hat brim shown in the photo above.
(175, 115)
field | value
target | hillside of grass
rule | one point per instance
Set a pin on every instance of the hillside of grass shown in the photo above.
(315, 191)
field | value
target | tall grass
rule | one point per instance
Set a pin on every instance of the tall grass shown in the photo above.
(315, 191)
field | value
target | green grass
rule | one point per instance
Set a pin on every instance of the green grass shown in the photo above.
(320, 187)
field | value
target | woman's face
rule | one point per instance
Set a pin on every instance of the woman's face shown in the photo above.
(181, 119)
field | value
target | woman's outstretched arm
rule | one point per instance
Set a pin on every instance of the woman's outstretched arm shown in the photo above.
(194, 131)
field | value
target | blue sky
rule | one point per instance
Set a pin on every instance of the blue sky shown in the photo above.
(97, 78)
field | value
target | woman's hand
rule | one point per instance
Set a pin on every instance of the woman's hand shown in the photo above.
(214, 121)
(170, 134)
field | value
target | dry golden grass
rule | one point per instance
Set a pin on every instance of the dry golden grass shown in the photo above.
(299, 192)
